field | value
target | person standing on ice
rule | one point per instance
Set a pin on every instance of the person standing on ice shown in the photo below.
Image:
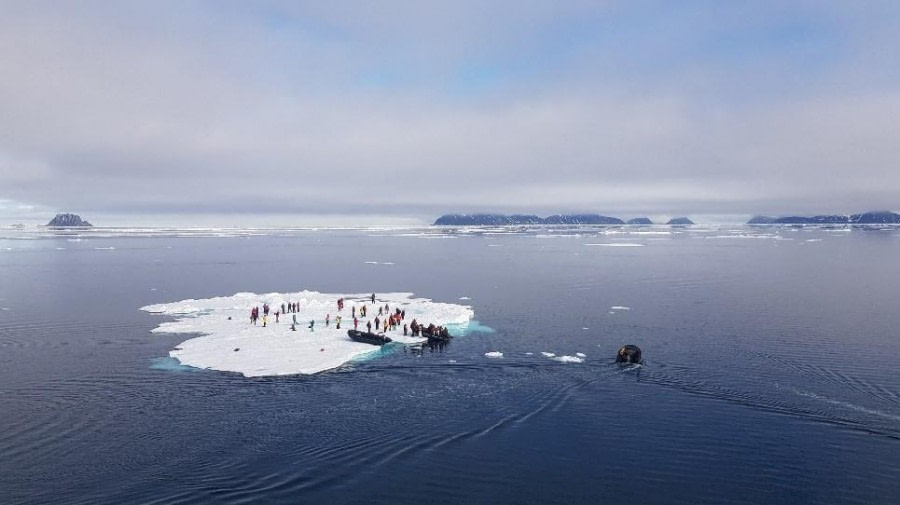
(377, 321)
(327, 319)
(312, 324)
(337, 322)
(265, 318)
(295, 318)
(355, 322)
(353, 310)
(373, 297)
(369, 326)
(282, 307)
(276, 316)
(265, 309)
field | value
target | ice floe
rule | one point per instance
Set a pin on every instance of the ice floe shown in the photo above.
(569, 359)
(228, 341)
(578, 358)
(494, 354)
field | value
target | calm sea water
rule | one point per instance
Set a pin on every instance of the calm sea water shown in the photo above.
(772, 370)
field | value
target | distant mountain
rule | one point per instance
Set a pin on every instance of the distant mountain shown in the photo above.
(68, 220)
(762, 220)
(680, 220)
(639, 220)
(874, 217)
(829, 219)
(582, 219)
(522, 219)
(486, 220)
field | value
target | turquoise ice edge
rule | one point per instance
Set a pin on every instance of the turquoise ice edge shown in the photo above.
(171, 364)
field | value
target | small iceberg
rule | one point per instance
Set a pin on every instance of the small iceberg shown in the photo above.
(569, 359)
(493, 354)
(284, 348)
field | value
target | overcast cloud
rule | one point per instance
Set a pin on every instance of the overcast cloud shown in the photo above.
(405, 110)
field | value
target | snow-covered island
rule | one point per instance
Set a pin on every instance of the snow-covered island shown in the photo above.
(230, 342)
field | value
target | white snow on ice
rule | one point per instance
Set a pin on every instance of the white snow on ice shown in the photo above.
(578, 358)
(275, 349)
(569, 359)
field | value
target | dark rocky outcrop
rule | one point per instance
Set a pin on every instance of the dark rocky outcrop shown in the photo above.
(876, 217)
(486, 220)
(582, 219)
(873, 217)
(639, 220)
(68, 220)
(522, 219)
(829, 219)
(680, 221)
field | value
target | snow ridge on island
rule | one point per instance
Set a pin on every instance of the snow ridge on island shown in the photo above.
(229, 342)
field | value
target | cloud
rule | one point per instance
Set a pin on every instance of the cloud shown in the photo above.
(405, 108)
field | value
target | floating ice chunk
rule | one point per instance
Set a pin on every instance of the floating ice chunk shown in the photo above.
(569, 359)
(494, 354)
(529, 353)
(619, 244)
(581, 355)
(464, 298)
(275, 349)
(548, 354)
(619, 307)
(585, 328)
(104, 248)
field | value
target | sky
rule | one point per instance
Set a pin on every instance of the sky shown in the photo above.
(290, 112)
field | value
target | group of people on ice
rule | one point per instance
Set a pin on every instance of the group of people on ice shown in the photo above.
(384, 321)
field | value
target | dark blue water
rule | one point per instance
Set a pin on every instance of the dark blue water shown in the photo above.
(772, 371)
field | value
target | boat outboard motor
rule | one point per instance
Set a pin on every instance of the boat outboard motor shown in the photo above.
(629, 354)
